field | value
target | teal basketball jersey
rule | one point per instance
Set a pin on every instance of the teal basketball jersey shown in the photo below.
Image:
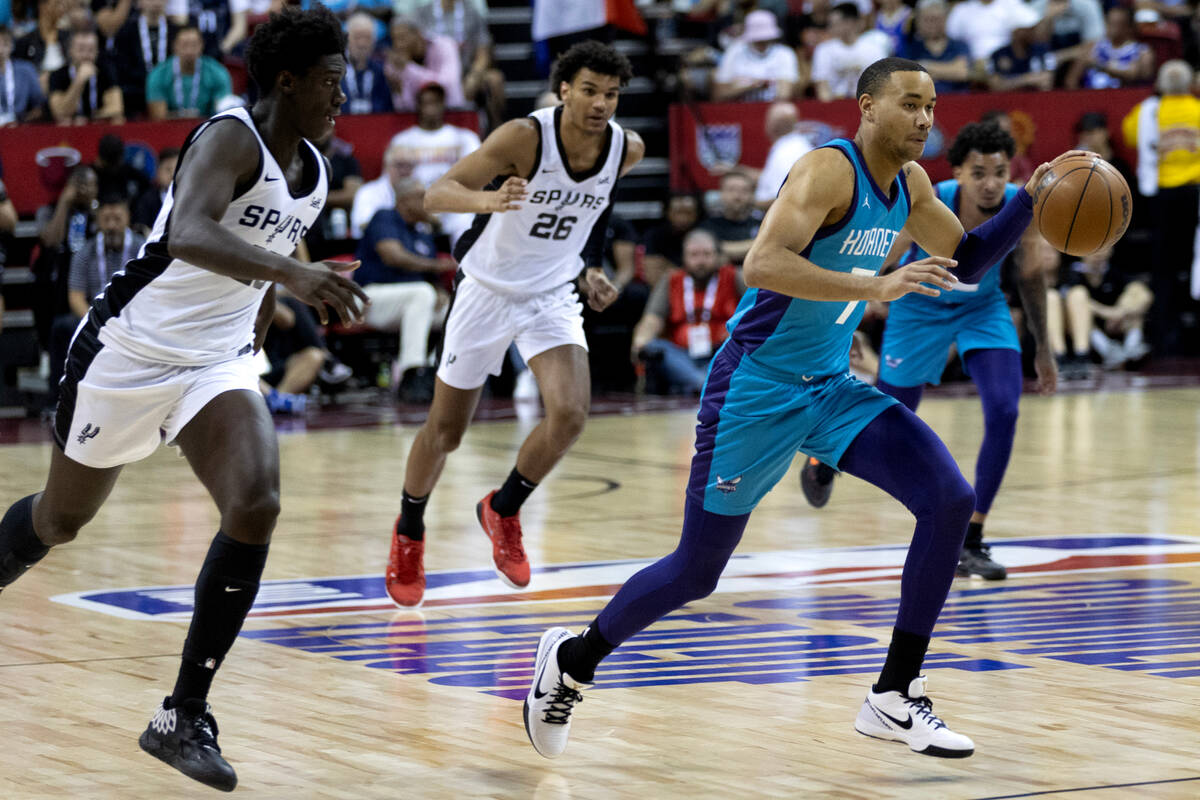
(802, 339)
(987, 290)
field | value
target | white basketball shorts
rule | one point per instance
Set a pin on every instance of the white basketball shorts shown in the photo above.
(114, 409)
(483, 323)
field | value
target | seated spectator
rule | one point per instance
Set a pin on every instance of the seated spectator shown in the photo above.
(398, 256)
(947, 60)
(1092, 130)
(21, 96)
(46, 45)
(328, 234)
(1023, 64)
(415, 59)
(1116, 60)
(758, 66)
(465, 21)
(697, 68)
(365, 85)
(1106, 311)
(63, 230)
(684, 321)
(114, 174)
(378, 194)
(893, 20)
(86, 89)
(142, 45)
(92, 266)
(297, 356)
(988, 25)
(840, 59)
(737, 222)
(808, 29)
(211, 17)
(1071, 28)
(664, 242)
(189, 83)
(147, 204)
(787, 146)
(432, 146)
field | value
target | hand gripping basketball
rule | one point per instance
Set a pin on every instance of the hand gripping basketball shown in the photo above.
(1081, 203)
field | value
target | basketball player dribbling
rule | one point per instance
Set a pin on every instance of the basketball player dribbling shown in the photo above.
(780, 383)
(536, 241)
(167, 346)
(975, 318)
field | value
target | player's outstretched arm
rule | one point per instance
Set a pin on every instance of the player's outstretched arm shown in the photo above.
(215, 163)
(508, 151)
(818, 191)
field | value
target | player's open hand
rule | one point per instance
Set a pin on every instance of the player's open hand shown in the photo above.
(1040, 173)
(508, 197)
(1047, 371)
(599, 289)
(321, 285)
(920, 277)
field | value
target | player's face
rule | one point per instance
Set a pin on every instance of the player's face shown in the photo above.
(590, 99)
(983, 177)
(903, 112)
(318, 96)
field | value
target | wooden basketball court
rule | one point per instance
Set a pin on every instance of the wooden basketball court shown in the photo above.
(1080, 673)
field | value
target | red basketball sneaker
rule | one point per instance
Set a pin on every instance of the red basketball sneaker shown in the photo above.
(405, 578)
(505, 532)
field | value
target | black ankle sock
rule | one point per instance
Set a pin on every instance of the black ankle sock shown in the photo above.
(412, 516)
(20, 548)
(903, 663)
(225, 590)
(974, 538)
(580, 655)
(512, 494)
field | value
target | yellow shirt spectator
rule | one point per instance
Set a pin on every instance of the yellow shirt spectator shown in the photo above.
(1178, 139)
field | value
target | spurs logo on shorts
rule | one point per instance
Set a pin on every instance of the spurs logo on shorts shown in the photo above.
(88, 432)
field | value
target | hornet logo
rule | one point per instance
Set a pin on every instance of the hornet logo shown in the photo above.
(728, 486)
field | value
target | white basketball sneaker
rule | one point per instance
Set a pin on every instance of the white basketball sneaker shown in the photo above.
(551, 698)
(910, 719)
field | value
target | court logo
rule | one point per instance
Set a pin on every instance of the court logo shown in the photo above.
(88, 432)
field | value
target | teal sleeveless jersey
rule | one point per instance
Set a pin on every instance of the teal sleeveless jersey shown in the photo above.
(986, 291)
(798, 340)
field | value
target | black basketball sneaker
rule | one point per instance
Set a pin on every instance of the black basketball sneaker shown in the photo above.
(816, 480)
(185, 737)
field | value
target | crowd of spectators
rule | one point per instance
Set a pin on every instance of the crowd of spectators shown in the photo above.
(70, 62)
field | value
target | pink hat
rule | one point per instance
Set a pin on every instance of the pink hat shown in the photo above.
(761, 26)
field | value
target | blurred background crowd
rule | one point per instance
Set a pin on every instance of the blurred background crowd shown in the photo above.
(81, 79)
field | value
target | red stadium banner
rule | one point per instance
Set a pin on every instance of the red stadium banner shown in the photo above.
(708, 136)
(369, 133)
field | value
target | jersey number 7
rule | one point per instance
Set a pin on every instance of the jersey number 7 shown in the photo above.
(845, 315)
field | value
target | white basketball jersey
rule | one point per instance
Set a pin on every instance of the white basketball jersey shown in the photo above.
(539, 246)
(163, 309)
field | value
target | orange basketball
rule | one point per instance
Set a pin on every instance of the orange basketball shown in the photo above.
(1082, 205)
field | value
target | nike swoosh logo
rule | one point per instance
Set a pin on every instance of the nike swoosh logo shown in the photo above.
(906, 724)
(268, 178)
(232, 589)
(537, 694)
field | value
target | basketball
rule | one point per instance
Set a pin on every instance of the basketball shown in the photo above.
(1082, 205)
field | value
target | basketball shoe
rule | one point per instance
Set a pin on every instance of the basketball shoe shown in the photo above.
(405, 578)
(185, 737)
(909, 718)
(552, 697)
(507, 553)
(816, 480)
(978, 561)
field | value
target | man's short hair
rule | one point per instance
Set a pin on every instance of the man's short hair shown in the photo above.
(114, 199)
(704, 233)
(982, 138)
(737, 173)
(847, 10)
(599, 58)
(294, 41)
(876, 76)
